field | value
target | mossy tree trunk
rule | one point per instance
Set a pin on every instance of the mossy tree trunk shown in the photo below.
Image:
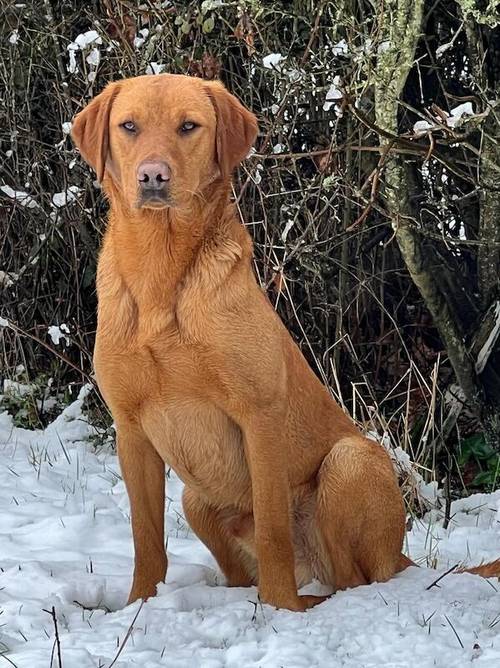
(400, 24)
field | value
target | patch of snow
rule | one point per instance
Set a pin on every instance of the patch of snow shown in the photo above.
(272, 60)
(14, 36)
(287, 229)
(257, 178)
(461, 230)
(17, 389)
(428, 493)
(458, 113)
(4, 322)
(422, 126)
(333, 94)
(87, 38)
(66, 542)
(66, 196)
(341, 48)
(59, 333)
(66, 127)
(141, 38)
(72, 66)
(19, 196)
(81, 43)
(94, 57)
(155, 68)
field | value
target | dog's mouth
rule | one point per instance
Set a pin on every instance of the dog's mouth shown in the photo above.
(154, 200)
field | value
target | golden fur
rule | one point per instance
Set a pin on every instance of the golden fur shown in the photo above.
(200, 373)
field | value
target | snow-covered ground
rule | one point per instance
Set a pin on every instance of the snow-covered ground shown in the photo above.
(65, 542)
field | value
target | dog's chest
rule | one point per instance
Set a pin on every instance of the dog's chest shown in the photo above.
(203, 446)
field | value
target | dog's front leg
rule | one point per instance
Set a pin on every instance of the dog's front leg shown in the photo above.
(143, 471)
(267, 457)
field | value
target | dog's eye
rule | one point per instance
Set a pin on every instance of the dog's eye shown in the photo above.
(187, 127)
(129, 126)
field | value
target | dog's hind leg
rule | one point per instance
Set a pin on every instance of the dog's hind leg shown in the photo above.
(214, 528)
(359, 514)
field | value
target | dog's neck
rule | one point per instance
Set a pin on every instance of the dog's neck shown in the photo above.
(154, 251)
(159, 246)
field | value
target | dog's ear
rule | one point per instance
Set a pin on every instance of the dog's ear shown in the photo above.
(90, 130)
(236, 128)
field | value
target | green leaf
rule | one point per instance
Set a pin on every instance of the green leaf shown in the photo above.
(484, 479)
(208, 25)
(475, 446)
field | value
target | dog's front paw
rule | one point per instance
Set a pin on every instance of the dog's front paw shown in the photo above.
(293, 603)
(309, 601)
(141, 591)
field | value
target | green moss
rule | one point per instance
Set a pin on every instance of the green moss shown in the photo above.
(489, 16)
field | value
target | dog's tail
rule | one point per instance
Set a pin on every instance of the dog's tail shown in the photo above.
(489, 570)
(404, 562)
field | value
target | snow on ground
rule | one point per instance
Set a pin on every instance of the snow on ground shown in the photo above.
(65, 541)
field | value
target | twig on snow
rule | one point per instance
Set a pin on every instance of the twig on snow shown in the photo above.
(435, 583)
(57, 642)
(127, 635)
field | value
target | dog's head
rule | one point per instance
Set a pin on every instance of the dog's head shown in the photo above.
(163, 139)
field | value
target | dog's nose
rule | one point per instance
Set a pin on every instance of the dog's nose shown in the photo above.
(153, 175)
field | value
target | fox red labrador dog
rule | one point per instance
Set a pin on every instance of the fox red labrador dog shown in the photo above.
(200, 373)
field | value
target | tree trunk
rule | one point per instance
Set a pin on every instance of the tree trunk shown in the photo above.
(399, 30)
